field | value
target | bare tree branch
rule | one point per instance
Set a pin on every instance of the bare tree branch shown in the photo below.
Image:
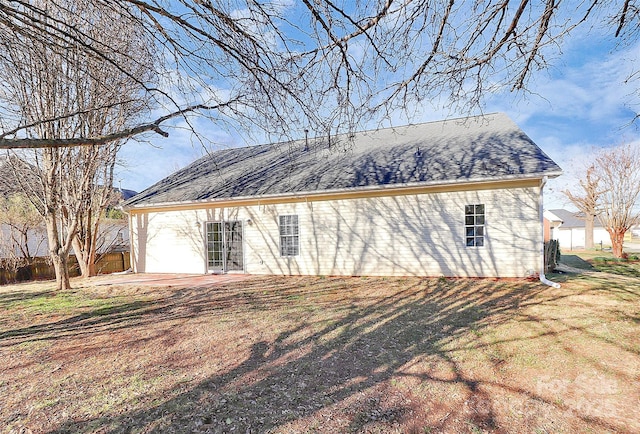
(155, 126)
(323, 65)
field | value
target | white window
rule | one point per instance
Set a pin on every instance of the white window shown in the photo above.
(474, 225)
(289, 239)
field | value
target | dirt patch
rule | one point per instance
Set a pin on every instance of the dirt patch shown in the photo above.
(272, 354)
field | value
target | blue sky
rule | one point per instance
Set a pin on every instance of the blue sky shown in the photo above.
(579, 104)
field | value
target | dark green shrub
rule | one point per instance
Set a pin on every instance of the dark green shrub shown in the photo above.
(551, 255)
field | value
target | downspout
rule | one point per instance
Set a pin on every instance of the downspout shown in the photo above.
(543, 279)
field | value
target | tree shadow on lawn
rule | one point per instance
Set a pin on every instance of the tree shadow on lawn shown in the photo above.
(123, 315)
(604, 265)
(181, 303)
(628, 269)
(619, 286)
(9, 298)
(344, 367)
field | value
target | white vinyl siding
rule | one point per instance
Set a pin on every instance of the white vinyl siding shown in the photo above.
(168, 242)
(392, 235)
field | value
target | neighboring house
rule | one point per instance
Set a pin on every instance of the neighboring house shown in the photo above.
(568, 227)
(455, 198)
(113, 236)
(12, 244)
(125, 194)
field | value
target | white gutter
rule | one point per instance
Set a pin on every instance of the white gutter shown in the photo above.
(543, 278)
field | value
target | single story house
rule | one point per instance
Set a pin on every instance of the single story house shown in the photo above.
(568, 227)
(459, 197)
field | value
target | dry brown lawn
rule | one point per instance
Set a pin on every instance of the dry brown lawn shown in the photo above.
(326, 355)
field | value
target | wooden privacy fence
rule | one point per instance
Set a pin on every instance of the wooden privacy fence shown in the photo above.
(113, 262)
(42, 269)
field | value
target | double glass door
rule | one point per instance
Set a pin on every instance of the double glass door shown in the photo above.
(224, 246)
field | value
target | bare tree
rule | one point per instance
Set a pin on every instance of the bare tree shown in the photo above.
(322, 65)
(619, 206)
(99, 163)
(21, 231)
(80, 95)
(100, 225)
(586, 199)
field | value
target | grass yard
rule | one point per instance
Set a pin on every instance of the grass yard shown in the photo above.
(323, 355)
(603, 262)
(631, 268)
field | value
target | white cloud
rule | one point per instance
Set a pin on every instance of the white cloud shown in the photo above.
(576, 108)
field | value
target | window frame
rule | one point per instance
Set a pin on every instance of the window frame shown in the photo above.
(289, 231)
(475, 225)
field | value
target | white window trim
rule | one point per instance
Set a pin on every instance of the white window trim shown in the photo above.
(290, 237)
(478, 225)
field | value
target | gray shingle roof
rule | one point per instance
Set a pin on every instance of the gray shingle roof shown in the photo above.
(12, 182)
(6, 177)
(572, 219)
(480, 148)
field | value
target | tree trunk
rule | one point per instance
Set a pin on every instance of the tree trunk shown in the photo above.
(56, 251)
(85, 244)
(81, 256)
(86, 258)
(617, 241)
(588, 231)
(92, 244)
(61, 268)
(92, 262)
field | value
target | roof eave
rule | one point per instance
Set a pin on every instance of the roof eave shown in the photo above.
(337, 191)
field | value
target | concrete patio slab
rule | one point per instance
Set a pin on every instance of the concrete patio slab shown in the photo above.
(166, 279)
